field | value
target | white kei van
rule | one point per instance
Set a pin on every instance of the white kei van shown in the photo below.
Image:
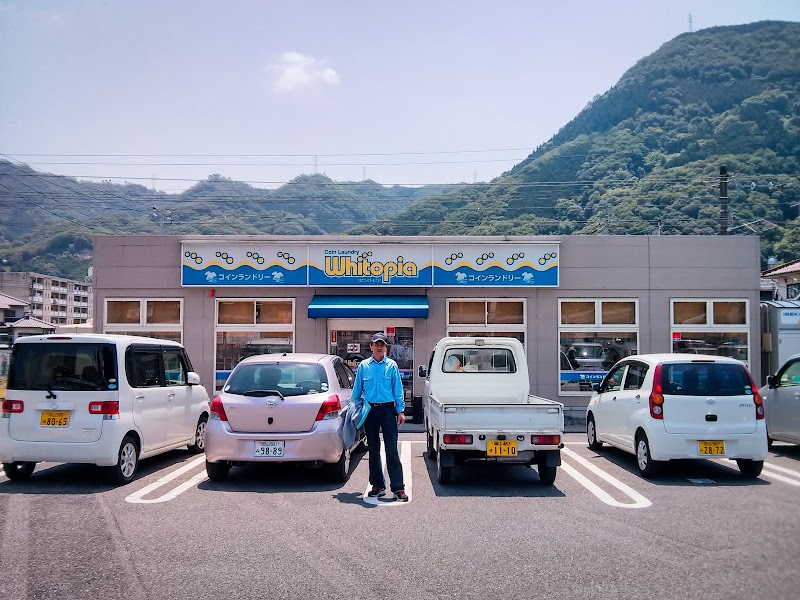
(108, 400)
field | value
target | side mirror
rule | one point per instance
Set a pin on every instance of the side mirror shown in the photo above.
(772, 381)
(595, 386)
(422, 371)
(192, 378)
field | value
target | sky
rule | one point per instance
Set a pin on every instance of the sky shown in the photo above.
(414, 92)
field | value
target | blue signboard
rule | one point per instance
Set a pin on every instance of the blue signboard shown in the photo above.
(242, 264)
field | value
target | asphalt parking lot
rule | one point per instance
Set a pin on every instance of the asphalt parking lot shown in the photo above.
(279, 531)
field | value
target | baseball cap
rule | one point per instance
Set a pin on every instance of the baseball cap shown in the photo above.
(380, 337)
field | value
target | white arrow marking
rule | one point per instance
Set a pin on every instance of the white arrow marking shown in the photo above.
(639, 500)
(137, 497)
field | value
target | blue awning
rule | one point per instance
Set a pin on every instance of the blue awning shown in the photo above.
(366, 307)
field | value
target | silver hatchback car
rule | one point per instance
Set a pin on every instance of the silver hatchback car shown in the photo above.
(281, 408)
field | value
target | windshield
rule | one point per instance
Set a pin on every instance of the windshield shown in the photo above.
(72, 367)
(703, 379)
(288, 379)
(467, 360)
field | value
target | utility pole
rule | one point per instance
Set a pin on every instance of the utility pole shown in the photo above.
(723, 200)
(690, 23)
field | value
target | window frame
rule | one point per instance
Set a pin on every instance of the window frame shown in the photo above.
(710, 326)
(597, 327)
(460, 328)
(252, 327)
(143, 327)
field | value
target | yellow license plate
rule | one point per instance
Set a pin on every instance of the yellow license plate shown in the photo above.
(710, 448)
(54, 418)
(501, 448)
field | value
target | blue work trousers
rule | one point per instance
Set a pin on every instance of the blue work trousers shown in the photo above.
(382, 417)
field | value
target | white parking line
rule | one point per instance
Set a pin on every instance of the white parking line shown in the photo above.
(639, 501)
(137, 497)
(731, 463)
(405, 461)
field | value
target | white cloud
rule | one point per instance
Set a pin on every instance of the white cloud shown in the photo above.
(295, 71)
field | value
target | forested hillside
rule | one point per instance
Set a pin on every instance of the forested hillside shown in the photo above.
(48, 221)
(644, 157)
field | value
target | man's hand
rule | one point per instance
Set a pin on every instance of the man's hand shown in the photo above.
(401, 418)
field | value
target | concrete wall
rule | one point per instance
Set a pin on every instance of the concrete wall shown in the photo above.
(653, 269)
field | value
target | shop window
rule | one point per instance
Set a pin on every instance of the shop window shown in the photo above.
(159, 318)
(723, 329)
(235, 313)
(163, 311)
(249, 327)
(273, 313)
(689, 313)
(473, 313)
(486, 318)
(123, 311)
(593, 335)
(578, 313)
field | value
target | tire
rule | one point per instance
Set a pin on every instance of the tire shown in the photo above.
(19, 471)
(431, 447)
(591, 434)
(547, 475)
(444, 475)
(339, 472)
(127, 462)
(750, 469)
(199, 436)
(217, 471)
(647, 466)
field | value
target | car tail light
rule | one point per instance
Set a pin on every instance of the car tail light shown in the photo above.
(546, 440)
(756, 397)
(453, 438)
(109, 409)
(329, 409)
(657, 395)
(217, 410)
(12, 406)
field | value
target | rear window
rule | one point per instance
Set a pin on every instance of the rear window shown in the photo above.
(70, 367)
(702, 379)
(288, 379)
(473, 360)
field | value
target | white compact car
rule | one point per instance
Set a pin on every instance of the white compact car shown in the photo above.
(670, 406)
(782, 402)
(107, 400)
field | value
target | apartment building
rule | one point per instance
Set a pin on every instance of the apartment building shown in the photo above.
(51, 299)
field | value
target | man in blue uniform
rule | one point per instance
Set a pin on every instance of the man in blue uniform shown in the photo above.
(378, 384)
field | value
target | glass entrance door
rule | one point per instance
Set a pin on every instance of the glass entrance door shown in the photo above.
(351, 340)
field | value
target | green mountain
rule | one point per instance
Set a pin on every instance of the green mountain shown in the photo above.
(48, 221)
(644, 157)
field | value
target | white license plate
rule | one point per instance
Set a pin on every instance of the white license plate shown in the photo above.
(272, 448)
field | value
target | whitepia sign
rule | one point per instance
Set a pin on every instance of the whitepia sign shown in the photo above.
(256, 264)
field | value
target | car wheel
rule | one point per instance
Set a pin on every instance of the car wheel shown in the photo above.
(547, 475)
(19, 471)
(444, 474)
(199, 436)
(217, 471)
(127, 462)
(591, 434)
(340, 470)
(647, 466)
(431, 447)
(750, 469)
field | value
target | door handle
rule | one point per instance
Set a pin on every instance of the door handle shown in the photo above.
(139, 396)
(638, 397)
(614, 398)
(171, 395)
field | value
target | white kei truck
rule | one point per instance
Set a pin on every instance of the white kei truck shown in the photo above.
(477, 406)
